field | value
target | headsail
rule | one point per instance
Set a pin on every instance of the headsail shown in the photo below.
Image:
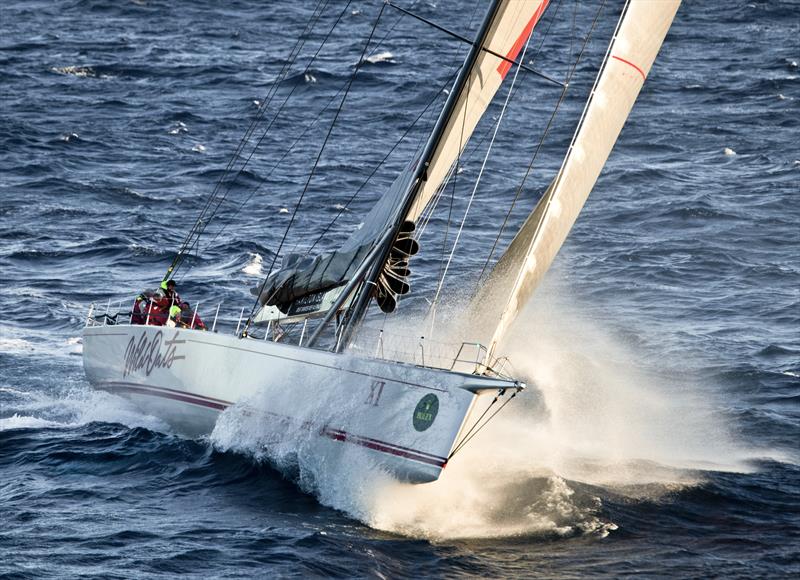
(636, 42)
(506, 28)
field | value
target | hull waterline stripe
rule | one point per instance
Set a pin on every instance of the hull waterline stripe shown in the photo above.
(166, 394)
(335, 434)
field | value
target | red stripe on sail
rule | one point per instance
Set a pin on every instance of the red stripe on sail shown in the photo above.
(505, 65)
(640, 71)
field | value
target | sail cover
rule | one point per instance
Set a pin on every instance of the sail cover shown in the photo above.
(640, 33)
(512, 23)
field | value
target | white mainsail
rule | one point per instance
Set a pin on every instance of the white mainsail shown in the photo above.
(513, 23)
(640, 32)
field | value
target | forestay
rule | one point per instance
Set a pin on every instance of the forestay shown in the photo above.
(637, 40)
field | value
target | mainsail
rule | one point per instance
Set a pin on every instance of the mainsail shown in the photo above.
(505, 30)
(640, 32)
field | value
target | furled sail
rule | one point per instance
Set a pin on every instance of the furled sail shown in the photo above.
(636, 42)
(505, 31)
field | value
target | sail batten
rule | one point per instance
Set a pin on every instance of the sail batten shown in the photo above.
(638, 37)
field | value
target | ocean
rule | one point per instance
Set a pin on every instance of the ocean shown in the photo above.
(660, 433)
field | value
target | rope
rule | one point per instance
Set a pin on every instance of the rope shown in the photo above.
(277, 113)
(379, 165)
(561, 98)
(302, 134)
(314, 167)
(299, 138)
(201, 223)
(432, 310)
(471, 434)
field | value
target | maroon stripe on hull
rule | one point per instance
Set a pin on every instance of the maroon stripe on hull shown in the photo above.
(398, 447)
(335, 434)
(168, 394)
(385, 448)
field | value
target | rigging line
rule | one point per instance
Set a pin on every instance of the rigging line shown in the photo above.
(549, 124)
(431, 102)
(442, 265)
(199, 226)
(302, 134)
(377, 167)
(316, 162)
(274, 118)
(437, 195)
(268, 98)
(468, 41)
(532, 60)
(493, 415)
(280, 109)
(473, 148)
(432, 311)
(294, 52)
(474, 425)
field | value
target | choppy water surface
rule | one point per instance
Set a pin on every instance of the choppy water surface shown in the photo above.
(664, 346)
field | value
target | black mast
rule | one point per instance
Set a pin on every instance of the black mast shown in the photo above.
(359, 308)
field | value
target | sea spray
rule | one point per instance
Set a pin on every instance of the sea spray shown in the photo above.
(341, 476)
(590, 423)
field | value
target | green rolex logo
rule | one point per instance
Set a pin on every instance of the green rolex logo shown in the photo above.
(426, 411)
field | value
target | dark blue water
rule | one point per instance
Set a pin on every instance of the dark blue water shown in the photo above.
(664, 345)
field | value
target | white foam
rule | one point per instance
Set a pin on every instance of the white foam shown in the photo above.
(253, 267)
(179, 128)
(384, 56)
(728, 151)
(15, 345)
(74, 408)
(198, 148)
(590, 415)
(25, 422)
(78, 71)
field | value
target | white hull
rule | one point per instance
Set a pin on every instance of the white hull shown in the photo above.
(408, 417)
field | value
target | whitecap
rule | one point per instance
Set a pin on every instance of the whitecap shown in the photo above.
(199, 148)
(77, 71)
(15, 344)
(26, 422)
(283, 210)
(384, 56)
(178, 128)
(310, 78)
(253, 267)
(728, 151)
